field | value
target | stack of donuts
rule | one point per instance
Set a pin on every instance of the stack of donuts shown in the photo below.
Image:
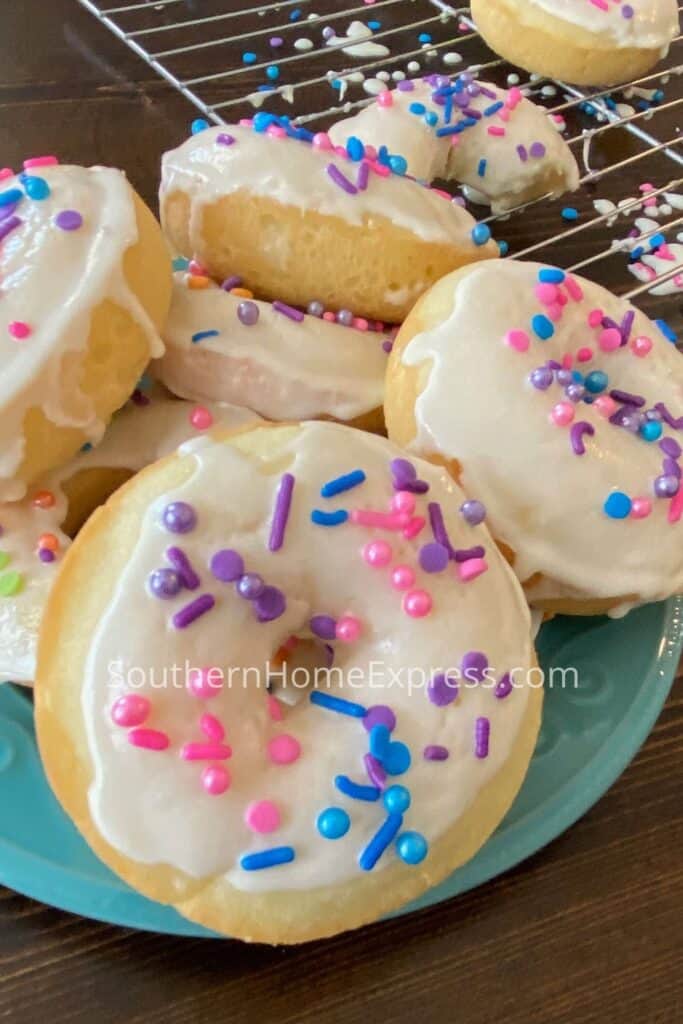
(284, 669)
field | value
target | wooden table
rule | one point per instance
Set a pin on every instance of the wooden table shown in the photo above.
(589, 930)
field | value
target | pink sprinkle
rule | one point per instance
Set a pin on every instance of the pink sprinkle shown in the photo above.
(562, 414)
(276, 131)
(205, 683)
(595, 318)
(381, 170)
(377, 553)
(262, 816)
(602, 4)
(554, 312)
(513, 97)
(348, 629)
(605, 405)
(130, 710)
(546, 293)
(665, 253)
(676, 507)
(470, 569)
(414, 527)
(641, 346)
(205, 752)
(610, 339)
(584, 355)
(403, 501)
(367, 517)
(19, 330)
(321, 140)
(402, 577)
(561, 297)
(641, 508)
(567, 361)
(496, 129)
(212, 728)
(647, 186)
(245, 122)
(417, 603)
(215, 779)
(573, 287)
(40, 161)
(5, 173)
(329, 316)
(148, 739)
(519, 340)
(201, 418)
(385, 99)
(284, 749)
(360, 323)
(274, 708)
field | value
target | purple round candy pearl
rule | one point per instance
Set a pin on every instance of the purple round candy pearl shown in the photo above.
(379, 714)
(324, 626)
(537, 149)
(473, 512)
(250, 586)
(474, 665)
(344, 317)
(433, 557)
(270, 604)
(541, 378)
(564, 377)
(165, 583)
(441, 690)
(247, 313)
(631, 421)
(45, 555)
(575, 392)
(69, 220)
(227, 565)
(315, 308)
(670, 447)
(179, 517)
(666, 486)
(276, 41)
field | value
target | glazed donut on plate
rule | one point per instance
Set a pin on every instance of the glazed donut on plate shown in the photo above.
(588, 42)
(225, 345)
(86, 283)
(37, 531)
(298, 220)
(500, 145)
(559, 405)
(260, 819)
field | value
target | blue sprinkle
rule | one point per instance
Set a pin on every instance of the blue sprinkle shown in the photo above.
(542, 326)
(342, 483)
(651, 431)
(248, 57)
(338, 704)
(337, 83)
(354, 790)
(424, 37)
(450, 129)
(379, 842)
(380, 738)
(321, 518)
(180, 263)
(469, 122)
(431, 118)
(570, 213)
(398, 164)
(636, 253)
(36, 188)
(481, 167)
(596, 381)
(12, 195)
(503, 248)
(658, 95)
(396, 760)
(657, 240)
(417, 108)
(551, 275)
(199, 125)
(267, 858)
(273, 72)
(618, 505)
(266, 88)
(667, 331)
(412, 847)
(355, 148)
(374, 25)
(577, 376)
(201, 335)
(383, 155)
(396, 799)
(610, 103)
(493, 109)
(333, 823)
(295, 14)
(481, 233)
(263, 120)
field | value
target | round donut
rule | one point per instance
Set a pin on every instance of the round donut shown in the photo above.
(588, 42)
(86, 284)
(501, 146)
(36, 532)
(267, 806)
(560, 406)
(225, 345)
(299, 220)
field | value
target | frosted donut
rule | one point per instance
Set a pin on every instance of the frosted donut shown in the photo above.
(86, 284)
(559, 405)
(299, 220)
(273, 358)
(262, 819)
(36, 532)
(503, 147)
(589, 42)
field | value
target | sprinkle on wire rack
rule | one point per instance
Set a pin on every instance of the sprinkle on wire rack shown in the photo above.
(208, 34)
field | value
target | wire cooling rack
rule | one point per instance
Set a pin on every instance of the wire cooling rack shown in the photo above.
(294, 57)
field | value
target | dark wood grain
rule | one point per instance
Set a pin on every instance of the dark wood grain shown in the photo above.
(589, 930)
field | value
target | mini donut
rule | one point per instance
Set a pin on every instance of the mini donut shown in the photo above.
(560, 406)
(297, 219)
(36, 532)
(260, 818)
(86, 283)
(501, 146)
(588, 42)
(273, 358)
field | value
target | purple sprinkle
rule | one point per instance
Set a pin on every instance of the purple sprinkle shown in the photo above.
(537, 150)
(670, 447)
(9, 225)
(165, 583)
(541, 378)
(179, 517)
(464, 554)
(482, 731)
(405, 86)
(45, 555)
(224, 139)
(182, 565)
(363, 176)
(7, 211)
(522, 154)
(627, 11)
(387, 346)
(627, 398)
(503, 687)
(227, 565)
(69, 220)
(471, 112)
(473, 666)
(441, 690)
(576, 434)
(610, 324)
(270, 604)
(405, 477)
(324, 626)
(283, 503)
(439, 527)
(473, 512)
(669, 419)
(275, 41)
(250, 586)
(379, 714)
(626, 325)
(293, 314)
(340, 179)
(248, 313)
(553, 364)
(434, 557)
(192, 611)
(435, 753)
(376, 773)
(671, 468)
(231, 282)
(487, 92)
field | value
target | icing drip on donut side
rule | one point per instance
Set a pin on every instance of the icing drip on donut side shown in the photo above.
(641, 23)
(297, 775)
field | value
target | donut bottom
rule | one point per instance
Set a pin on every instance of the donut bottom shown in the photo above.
(541, 43)
(404, 385)
(282, 252)
(82, 592)
(115, 356)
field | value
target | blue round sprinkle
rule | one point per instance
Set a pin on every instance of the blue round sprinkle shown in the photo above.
(412, 847)
(577, 376)
(424, 37)
(380, 738)
(273, 72)
(200, 125)
(651, 431)
(542, 326)
(396, 799)
(398, 164)
(180, 263)
(355, 148)
(431, 118)
(333, 823)
(481, 234)
(36, 188)
(618, 505)
(551, 275)
(569, 213)
(396, 759)
(248, 57)
(262, 120)
(417, 108)
(374, 25)
(596, 381)
(503, 248)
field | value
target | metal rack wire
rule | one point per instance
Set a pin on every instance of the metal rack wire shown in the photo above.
(169, 35)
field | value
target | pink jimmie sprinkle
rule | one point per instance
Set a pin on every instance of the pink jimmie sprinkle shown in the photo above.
(676, 507)
(19, 330)
(40, 161)
(5, 173)
(205, 752)
(212, 728)
(472, 568)
(513, 98)
(573, 287)
(518, 340)
(414, 527)
(381, 520)
(403, 501)
(496, 129)
(148, 739)
(262, 816)
(284, 749)
(215, 779)
(274, 708)
(130, 710)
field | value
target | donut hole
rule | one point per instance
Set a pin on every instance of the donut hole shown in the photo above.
(302, 664)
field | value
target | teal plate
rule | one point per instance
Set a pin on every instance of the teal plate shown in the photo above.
(590, 733)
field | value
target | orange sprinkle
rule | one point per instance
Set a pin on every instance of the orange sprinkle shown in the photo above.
(242, 293)
(43, 499)
(194, 281)
(48, 541)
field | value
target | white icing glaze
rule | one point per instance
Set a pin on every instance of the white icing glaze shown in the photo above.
(294, 173)
(366, 48)
(282, 368)
(507, 180)
(544, 501)
(656, 264)
(52, 280)
(151, 806)
(137, 436)
(653, 25)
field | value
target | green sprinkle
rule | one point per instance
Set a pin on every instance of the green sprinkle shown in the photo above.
(10, 584)
(4, 559)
